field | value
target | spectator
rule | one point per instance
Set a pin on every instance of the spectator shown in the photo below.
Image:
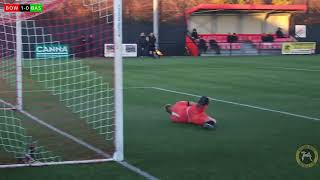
(83, 47)
(194, 34)
(235, 37)
(90, 46)
(152, 45)
(202, 45)
(267, 38)
(142, 45)
(279, 33)
(232, 38)
(214, 45)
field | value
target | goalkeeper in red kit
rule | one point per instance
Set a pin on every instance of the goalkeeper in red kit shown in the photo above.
(190, 112)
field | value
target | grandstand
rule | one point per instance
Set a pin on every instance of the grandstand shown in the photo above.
(250, 23)
(76, 103)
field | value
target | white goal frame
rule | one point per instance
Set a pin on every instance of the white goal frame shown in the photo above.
(19, 82)
(118, 70)
(118, 93)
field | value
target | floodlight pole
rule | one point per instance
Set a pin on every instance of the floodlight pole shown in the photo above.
(117, 26)
(156, 21)
(19, 62)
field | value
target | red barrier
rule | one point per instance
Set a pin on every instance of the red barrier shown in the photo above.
(254, 38)
(271, 45)
(192, 47)
(228, 46)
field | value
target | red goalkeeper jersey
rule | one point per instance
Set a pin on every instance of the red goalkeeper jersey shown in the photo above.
(185, 112)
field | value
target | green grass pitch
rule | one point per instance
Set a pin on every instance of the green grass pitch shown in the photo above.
(249, 144)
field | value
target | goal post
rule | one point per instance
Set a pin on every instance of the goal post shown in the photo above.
(118, 66)
(55, 106)
(19, 62)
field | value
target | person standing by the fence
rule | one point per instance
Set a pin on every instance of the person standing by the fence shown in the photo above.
(152, 44)
(142, 45)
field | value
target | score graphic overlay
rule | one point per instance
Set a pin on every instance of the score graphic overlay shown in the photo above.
(37, 8)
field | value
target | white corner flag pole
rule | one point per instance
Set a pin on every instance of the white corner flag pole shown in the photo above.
(19, 62)
(117, 20)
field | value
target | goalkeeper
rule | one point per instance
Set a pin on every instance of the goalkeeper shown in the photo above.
(190, 112)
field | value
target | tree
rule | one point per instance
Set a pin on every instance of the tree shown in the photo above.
(267, 1)
(315, 6)
(280, 2)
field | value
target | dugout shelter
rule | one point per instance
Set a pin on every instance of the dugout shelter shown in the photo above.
(249, 22)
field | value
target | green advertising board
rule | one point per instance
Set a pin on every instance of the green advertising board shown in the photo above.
(299, 48)
(52, 51)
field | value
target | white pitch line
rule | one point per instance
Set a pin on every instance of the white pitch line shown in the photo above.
(270, 67)
(230, 102)
(265, 68)
(288, 68)
(81, 142)
(137, 170)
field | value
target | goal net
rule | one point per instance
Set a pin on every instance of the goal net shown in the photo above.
(56, 105)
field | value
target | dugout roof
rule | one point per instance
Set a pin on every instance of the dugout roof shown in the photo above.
(204, 8)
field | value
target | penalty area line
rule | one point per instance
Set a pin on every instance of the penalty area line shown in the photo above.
(291, 68)
(81, 142)
(231, 102)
